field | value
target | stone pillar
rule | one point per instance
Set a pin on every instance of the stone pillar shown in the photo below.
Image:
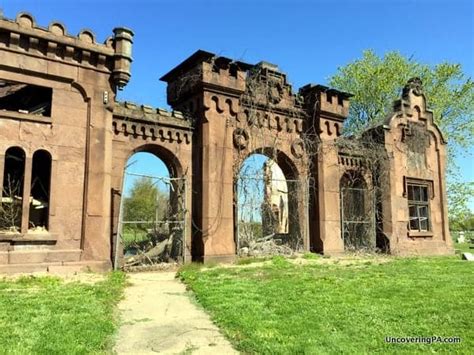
(329, 199)
(188, 218)
(328, 108)
(25, 210)
(2, 169)
(443, 196)
(97, 228)
(217, 183)
(52, 184)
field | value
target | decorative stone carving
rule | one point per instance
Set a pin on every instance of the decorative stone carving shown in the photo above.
(414, 85)
(274, 92)
(297, 148)
(241, 138)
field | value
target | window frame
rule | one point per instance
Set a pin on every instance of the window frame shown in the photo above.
(24, 234)
(418, 203)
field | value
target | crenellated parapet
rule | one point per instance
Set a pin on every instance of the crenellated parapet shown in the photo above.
(204, 72)
(142, 121)
(267, 89)
(328, 107)
(53, 43)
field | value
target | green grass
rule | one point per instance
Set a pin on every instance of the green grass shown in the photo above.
(328, 308)
(45, 315)
(463, 248)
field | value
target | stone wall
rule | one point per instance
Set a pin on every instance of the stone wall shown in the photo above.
(223, 111)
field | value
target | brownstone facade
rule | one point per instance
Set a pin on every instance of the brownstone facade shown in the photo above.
(66, 140)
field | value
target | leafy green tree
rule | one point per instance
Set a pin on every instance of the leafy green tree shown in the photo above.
(462, 223)
(377, 81)
(145, 203)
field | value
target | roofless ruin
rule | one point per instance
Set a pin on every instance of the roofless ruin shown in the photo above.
(65, 142)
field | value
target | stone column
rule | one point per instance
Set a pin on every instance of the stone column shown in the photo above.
(329, 200)
(52, 184)
(25, 210)
(217, 184)
(97, 228)
(2, 169)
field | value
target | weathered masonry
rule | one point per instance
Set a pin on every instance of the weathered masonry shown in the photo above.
(65, 141)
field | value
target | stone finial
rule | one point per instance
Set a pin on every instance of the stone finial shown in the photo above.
(414, 85)
(412, 98)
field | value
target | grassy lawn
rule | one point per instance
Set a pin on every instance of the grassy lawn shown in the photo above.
(327, 306)
(45, 315)
(463, 248)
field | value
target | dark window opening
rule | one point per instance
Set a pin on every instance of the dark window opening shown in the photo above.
(357, 213)
(418, 207)
(12, 190)
(25, 98)
(40, 190)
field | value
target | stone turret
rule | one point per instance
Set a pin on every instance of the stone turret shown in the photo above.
(123, 56)
(329, 108)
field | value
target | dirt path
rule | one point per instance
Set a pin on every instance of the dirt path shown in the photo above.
(158, 316)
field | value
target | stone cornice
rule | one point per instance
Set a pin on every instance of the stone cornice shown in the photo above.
(147, 122)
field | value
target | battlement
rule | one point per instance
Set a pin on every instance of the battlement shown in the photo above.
(148, 113)
(261, 84)
(205, 69)
(327, 101)
(25, 37)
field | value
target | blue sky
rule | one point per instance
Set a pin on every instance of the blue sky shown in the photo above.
(309, 40)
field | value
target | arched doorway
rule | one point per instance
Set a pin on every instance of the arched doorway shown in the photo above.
(152, 210)
(357, 212)
(270, 207)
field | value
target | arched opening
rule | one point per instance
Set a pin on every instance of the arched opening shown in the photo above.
(151, 223)
(357, 212)
(268, 206)
(12, 190)
(40, 191)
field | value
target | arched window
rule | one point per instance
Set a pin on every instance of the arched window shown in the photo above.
(12, 190)
(40, 190)
(357, 212)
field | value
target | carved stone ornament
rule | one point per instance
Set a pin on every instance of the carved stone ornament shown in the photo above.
(275, 92)
(414, 85)
(241, 138)
(297, 148)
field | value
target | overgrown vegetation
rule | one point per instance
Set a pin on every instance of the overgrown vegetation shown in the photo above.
(45, 315)
(322, 307)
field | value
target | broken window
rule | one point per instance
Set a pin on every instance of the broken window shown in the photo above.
(418, 207)
(40, 191)
(25, 98)
(12, 191)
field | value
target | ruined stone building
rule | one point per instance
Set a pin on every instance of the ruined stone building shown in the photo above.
(65, 141)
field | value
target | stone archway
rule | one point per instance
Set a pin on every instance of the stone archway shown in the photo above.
(168, 142)
(270, 204)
